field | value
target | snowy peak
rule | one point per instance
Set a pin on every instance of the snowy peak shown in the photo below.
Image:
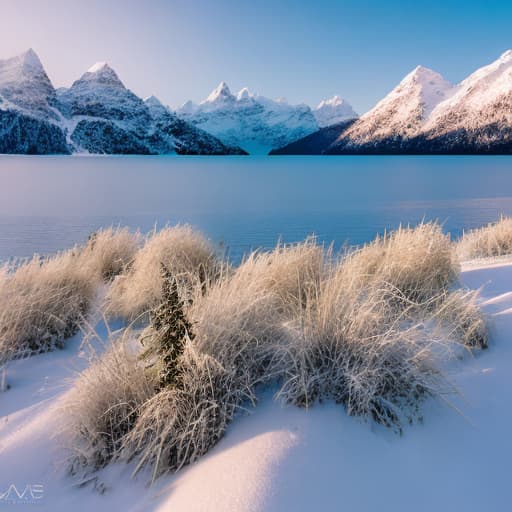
(491, 72)
(21, 68)
(335, 101)
(156, 108)
(428, 86)
(422, 79)
(25, 84)
(244, 94)
(28, 61)
(95, 68)
(31, 58)
(100, 93)
(250, 121)
(421, 74)
(412, 100)
(220, 94)
(402, 113)
(101, 73)
(483, 98)
(153, 101)
(333, 111)
(188, 108)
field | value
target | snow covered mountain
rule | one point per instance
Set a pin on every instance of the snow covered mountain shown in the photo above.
(169, 132)
(27, 108)
(97, 114)
(255, 123)
(25, 85)
(103, 116)
(333, 111)
(100, 93)
(426, 114)
(399, 116)
(478, 113)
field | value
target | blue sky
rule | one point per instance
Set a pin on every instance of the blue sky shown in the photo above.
(302, 50)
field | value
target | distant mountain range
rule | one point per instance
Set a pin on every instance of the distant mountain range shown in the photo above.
(423, 114)
(259, 124)
(97, 114)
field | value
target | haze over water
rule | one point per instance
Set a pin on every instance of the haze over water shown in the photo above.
(50, 203)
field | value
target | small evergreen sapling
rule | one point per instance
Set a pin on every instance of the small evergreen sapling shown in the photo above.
(169, 327)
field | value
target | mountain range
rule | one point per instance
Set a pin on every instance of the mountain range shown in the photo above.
(259, 124)
(426, 114)
(97, 114)
(423, 114)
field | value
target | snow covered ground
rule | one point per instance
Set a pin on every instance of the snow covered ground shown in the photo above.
(284, 458)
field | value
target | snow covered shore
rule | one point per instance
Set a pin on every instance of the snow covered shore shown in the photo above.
(284, 458)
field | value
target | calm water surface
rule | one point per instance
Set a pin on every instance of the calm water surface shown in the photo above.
(50, 203)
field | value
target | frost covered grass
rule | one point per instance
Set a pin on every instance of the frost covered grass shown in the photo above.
(489, 241)
(419, 262)
(42, 302)
(370, 334)
(104, 404)
(367, 329)
(352, 347)
(182, 422)
(109, 252)
(291, 272)
(181, 250)
(240, 321)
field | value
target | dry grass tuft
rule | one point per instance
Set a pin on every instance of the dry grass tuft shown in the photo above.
(42, 302)
(352, 347)
(104, 404)
(182, 422)
(291, 272)
(239, 321)
(109, 252)
(489, 241)
(419, 262)
(185, 253)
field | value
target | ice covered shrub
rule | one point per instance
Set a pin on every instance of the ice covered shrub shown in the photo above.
(489, 241)
(109, 251)
(418, 261)
(183, 421)
(184, 252)
(104, 404)
(42, 302)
